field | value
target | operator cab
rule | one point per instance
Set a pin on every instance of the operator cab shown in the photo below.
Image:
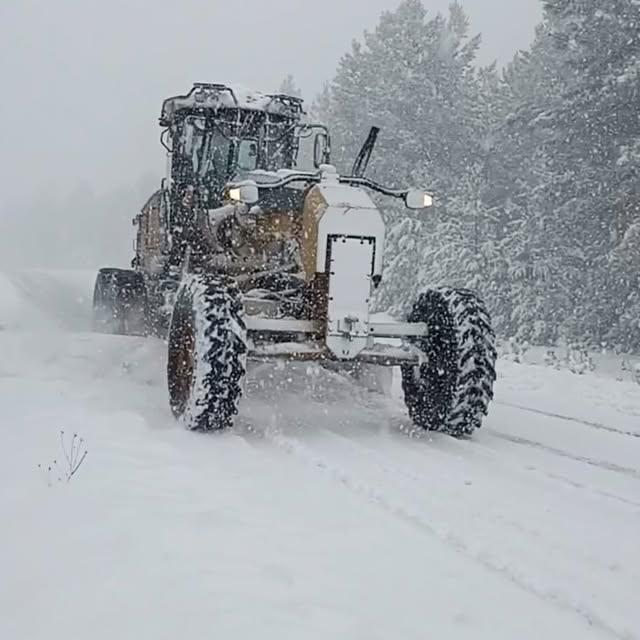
(216, 134)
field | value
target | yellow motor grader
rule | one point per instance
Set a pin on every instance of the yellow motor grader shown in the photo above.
(242, 255)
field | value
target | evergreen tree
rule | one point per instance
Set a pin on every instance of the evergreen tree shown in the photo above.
(414, 77)
(595, 147)
(288, 87)
(536, 170)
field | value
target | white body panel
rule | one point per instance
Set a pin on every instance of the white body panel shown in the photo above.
(350, 248)
(350, 261)
(350, 213)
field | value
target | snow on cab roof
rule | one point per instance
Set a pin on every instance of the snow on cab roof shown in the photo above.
(221, 96)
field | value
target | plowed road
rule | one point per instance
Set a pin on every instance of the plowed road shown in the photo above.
(321, 515)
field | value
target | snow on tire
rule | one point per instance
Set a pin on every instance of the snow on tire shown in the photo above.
(451, 390)
(207, 353)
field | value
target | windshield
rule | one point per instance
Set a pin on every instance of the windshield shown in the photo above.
(213, 158)
(207, 150)
(210, 150)
(247, 155)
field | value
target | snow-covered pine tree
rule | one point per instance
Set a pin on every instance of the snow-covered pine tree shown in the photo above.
(600, 45)
(289, 87)
(597, 152)
(536, 172)
(414, 77)
(537, 284)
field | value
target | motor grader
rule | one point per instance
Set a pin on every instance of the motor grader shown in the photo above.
(243, 255)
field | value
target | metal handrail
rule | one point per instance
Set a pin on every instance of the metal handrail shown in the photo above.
(316, 178)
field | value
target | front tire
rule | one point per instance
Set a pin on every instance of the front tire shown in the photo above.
(207, 353)
(451, 390)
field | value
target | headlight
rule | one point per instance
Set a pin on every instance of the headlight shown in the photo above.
(418, 199)
(245, 192)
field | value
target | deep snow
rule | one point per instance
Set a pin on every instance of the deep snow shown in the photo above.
(323, 514)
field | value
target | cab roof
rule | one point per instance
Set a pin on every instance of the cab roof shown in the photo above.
(212, 97)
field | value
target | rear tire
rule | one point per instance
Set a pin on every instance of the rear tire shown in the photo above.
(451, 391)
(207, 353)
(120, 302)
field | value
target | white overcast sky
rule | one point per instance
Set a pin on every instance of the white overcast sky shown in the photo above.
(81, 81)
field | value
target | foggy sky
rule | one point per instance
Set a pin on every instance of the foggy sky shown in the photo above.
(82, 81)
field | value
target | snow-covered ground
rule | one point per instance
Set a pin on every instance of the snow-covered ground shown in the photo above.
(322, 515)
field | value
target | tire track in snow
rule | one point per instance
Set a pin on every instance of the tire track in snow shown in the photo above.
(601, 464)
(393, 461)
(420, 522)
(478, 448)
(586, 423)
(584, 487)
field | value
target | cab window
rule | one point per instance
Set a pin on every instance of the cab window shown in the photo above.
(247, 155)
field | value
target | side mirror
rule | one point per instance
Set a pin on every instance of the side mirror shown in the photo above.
(321, 150)
(245, 192)
(418, 199)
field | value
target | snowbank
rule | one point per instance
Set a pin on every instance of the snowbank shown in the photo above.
(46, 299)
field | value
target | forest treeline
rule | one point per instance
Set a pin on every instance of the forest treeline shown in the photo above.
(535, 166)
